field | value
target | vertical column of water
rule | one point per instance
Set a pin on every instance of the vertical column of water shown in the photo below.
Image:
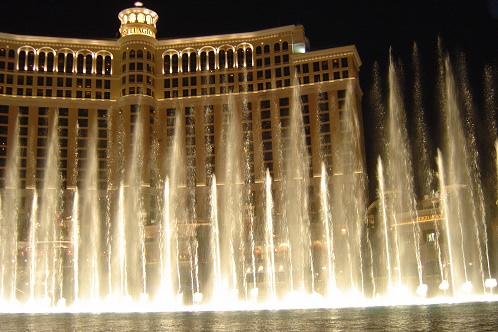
(400, 183)
(269, 245)
(329, 232)
(491, 106)
(168, 249)
(47, 242)
(459, 197)
(90, 225)
(174, 210)
(9, 210)
(75, 239)
(120, 261)
(422, 150)
(214, 245)
(232, 247)
(478, 199)
(350, 192)
(134, 224)
(448, 229)
(422, 145)
(385, 222)
(295, 196)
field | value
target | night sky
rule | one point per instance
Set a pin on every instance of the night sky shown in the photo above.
(469, 27)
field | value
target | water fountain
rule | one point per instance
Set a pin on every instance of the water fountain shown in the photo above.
(231, 259)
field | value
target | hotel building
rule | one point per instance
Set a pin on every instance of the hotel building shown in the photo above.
(75, 89)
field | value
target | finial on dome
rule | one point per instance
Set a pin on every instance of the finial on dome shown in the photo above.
(138, 4)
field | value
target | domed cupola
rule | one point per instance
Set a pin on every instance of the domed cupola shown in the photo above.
(138, 20)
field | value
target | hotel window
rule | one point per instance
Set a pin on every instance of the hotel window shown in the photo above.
(230, 58)
(240, 58)
(167, 64)
(203, 61)
(50, 62)
(174, 63)
(344, 62)
(80, 62)
(249, 57)
(211, 59)
(222, 59)
(335, 63)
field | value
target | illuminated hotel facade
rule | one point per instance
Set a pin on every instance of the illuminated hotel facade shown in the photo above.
(82, 88)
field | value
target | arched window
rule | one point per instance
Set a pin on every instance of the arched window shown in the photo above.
(41, 61)
(80, 63)
(12, 54)
(203, 61)
(31, 60)
(222, 59)
(285, 46)
(100, 65)
(184, 62)
(230, 58)
(211, 60)
(132, 54)
(22, 60)
(69, 63)
(276, 47)
(3, 52)
(258, 50)
(60, 62)
(149, 55)
(140, 54)
(266, 48)
(193, 62)
(50, 62)
(248, 57)
(88, 64)
(124, 55)
(174, 63)
(240, 58)
(107, 65)
(167, 64)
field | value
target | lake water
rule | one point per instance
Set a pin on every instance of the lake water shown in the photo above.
(476, 316)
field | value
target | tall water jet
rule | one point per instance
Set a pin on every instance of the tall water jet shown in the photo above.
(9, 205)
(329, 232)
(233, 208)
(348, 187)
(295, 193)
(424, 171)
(89, 222)
(463, 191)
(401, 202)
(76, 241)
(385, 227)
(269, 244)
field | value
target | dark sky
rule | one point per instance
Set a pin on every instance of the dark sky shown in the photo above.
(375, 27)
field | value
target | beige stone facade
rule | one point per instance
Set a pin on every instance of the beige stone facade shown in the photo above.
(83, 89)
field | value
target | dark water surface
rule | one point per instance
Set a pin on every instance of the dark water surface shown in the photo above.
(477, 316)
